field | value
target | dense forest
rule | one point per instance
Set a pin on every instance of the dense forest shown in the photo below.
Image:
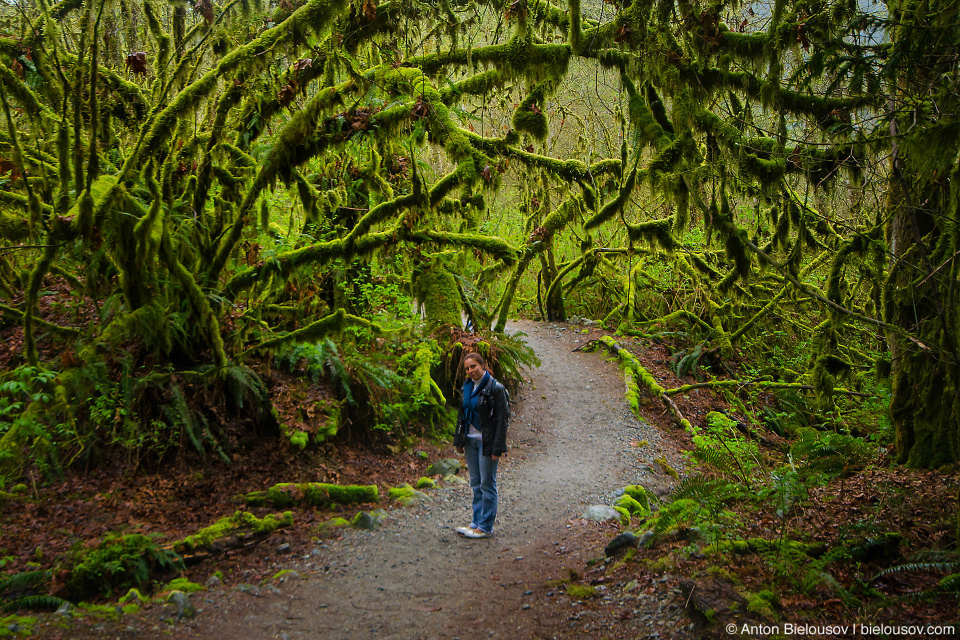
(200, 196)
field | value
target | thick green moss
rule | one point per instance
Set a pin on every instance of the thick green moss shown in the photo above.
(314, 494)
(640, 495)
(634, 507)
(581, 591)
(436, 289)
(426, 483)
(624, 515)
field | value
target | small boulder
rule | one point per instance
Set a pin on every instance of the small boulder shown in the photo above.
(645, 539)
(625, 540)
(185, 608)
(213, 581)
(369, 521)
(452, 479)
(327, 528)
(284, 548)
(426, 483)
(407, 496)
(444, 467)
(249, 589)
(600, 513)
(65, 609)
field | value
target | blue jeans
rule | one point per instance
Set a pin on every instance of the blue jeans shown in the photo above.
(483, 481)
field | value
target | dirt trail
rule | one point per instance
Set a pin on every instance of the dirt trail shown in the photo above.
(415, 578)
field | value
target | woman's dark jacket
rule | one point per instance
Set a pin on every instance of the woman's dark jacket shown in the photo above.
(494, 415)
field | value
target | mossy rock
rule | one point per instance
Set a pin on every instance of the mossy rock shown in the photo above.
(453, 479)
(444, 467)
(133, 596)
(241, 523)
(369, 521)
(633, 507)
(426, 483)
(332, 524)
(624, 516)
(313, 494)
(407, 496)
(640, 494)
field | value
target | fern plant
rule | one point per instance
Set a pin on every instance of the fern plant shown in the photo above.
(24, 590)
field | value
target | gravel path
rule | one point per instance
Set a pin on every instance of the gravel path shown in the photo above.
(415, 578)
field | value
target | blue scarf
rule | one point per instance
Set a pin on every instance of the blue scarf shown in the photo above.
(471, 399)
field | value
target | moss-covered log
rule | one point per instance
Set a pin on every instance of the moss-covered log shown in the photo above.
(240, 529)
(312, 494)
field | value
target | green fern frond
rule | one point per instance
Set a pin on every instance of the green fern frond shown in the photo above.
(938, 567)
(716, 458)
(35, 603)
(178, 414)
(24, 580)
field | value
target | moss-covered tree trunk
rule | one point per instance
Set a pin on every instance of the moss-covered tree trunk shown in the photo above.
(922, 296)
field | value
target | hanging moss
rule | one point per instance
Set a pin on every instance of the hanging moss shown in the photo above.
(655, 232)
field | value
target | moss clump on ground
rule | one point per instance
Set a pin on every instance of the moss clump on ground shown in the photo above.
(314, 494)
(581, 591)
(12, 626)
(240, 523)
(764, 603)
(183, 584)
(407, 496)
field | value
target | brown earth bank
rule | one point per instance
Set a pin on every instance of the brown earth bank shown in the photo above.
(574, 443)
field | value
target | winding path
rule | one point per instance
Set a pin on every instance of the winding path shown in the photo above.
(415, 578)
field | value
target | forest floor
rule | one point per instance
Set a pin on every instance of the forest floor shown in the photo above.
(574, 442)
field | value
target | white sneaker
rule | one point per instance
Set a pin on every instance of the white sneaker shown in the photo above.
(477, 533)
(463, 530)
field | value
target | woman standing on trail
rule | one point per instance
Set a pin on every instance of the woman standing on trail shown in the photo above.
(482, 436)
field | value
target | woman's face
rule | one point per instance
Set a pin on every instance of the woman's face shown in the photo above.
(473, 369)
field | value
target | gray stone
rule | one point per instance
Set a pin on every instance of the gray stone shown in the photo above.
(369, 521)
(249, 589)
(600, 513)
(284, 548)
(213, 581)
(625, 540)
(66, 609)
(645, 539)
(185, 608)
(453, 479)
(444, 467)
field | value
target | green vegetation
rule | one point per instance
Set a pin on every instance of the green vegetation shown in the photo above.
(119, 563)
(241, 523)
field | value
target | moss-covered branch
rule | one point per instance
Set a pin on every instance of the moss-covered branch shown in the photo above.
(635, 375)
(333, 323)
